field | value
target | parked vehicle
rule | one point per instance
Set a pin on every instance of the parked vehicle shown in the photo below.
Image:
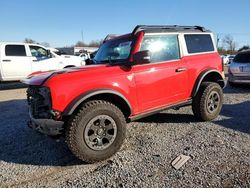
(18, 60)
(239, 69)
(79, 50)
(89, 60)
(230, 58)
(135, 75)
(68, 59)
(227, 59)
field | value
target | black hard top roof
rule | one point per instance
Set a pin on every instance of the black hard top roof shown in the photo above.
(169, 28)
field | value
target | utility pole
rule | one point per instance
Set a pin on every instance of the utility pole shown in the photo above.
(82, 36)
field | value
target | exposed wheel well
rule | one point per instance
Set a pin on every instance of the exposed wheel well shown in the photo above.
(121, 103)
(114, 99)
(214, 77)
(209, 76)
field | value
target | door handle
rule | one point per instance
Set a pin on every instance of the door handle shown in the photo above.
(6, 60)
(180, 69)
(35, 60)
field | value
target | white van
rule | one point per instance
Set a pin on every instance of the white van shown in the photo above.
(18, 60)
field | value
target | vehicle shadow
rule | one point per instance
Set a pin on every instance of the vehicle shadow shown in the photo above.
(11, 85)
(22, 145)
(235, 116)
(237, 89)
(165, 117)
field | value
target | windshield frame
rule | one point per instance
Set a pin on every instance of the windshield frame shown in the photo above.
(126, 38)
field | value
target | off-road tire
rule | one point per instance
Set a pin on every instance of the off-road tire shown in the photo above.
(77, 125)
(200, 101)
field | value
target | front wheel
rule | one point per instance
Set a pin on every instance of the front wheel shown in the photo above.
(208, 101)
(96, 132)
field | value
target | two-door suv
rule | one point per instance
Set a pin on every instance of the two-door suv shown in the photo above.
(132, 76)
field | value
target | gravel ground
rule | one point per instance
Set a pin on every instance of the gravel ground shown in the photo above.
(219, 150)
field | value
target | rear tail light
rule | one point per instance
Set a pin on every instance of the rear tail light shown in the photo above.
(222, 63)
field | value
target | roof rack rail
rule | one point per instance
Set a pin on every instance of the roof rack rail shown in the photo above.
(168, 27)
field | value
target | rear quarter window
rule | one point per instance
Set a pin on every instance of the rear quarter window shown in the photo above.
(15, 50)
(242, 57)
(199, 43)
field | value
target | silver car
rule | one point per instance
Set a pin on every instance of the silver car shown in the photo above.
(239, 69)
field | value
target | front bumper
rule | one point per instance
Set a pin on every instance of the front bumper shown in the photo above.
(46, 126)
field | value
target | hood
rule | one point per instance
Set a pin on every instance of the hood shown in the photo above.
(39, 78)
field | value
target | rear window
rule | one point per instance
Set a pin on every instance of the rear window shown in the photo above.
(15, 50)
(242, 58)
(199, 43)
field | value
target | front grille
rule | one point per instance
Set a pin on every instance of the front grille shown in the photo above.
(39, 101)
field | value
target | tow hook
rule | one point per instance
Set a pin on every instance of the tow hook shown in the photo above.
(56, 115)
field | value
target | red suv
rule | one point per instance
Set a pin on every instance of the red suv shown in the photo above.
(132, 76)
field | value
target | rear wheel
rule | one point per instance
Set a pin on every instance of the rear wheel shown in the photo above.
(208, 101)
(96, 132)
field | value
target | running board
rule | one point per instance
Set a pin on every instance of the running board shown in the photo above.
(149, 113)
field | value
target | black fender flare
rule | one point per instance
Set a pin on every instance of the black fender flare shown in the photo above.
(78, 100)
(201, 77)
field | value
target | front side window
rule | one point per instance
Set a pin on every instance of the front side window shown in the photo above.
(162, 47)
(197, 43)
(15, 50)
(38, 52)
(117, 50)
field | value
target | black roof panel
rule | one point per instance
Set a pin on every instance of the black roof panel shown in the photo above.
(169, 28)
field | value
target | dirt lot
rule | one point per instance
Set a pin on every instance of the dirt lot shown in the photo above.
(219, 150)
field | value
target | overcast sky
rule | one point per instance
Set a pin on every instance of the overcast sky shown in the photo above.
(64, 22)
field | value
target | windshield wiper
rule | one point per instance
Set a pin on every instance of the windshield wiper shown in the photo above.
(110, 61)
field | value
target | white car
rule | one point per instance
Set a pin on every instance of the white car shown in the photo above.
(18, 60)
(239, 69)
(227, 59)
(68, 59)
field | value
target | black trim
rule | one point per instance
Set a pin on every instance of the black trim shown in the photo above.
(51, 75)
(145, 114)
(200, 79)
(168, 28)
(78, 100)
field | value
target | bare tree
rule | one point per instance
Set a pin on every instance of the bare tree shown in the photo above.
(80, 44)
(28, 40)
(95, 43)
(46, 44)
(230, 43)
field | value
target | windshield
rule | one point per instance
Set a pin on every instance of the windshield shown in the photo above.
(117, 50)
(242, 58)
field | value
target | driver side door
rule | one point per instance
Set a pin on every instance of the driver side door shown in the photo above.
(162, 81)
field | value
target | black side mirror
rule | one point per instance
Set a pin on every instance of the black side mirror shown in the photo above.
(142, 57)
